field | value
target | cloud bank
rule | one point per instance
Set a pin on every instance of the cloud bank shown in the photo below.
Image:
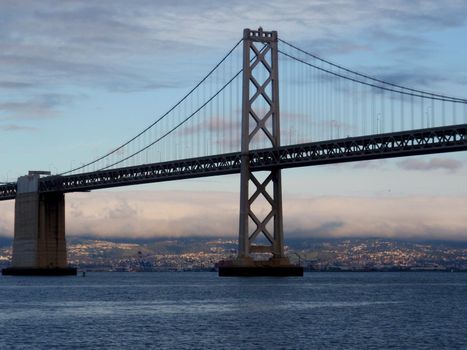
(431, 164)
(184, 213)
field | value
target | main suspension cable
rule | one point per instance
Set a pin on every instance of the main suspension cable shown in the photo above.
(421, 94)
(185, 120)
(176, 126)
(160, 118)
(446, 98)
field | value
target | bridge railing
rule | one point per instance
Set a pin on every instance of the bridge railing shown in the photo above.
(398, 144)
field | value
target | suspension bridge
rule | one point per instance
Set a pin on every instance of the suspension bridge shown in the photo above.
(231, 122)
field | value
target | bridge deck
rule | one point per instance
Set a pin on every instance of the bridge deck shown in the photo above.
(389, 145)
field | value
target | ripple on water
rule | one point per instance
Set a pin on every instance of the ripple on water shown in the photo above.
(200, 310)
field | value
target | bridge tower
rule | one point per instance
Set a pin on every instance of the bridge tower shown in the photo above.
(260, 50)
(39, 246)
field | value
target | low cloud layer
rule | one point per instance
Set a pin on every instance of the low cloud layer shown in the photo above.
(430, 164)
(182, 213)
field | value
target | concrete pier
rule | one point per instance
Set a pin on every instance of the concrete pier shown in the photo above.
(39, 246)
(253, 268)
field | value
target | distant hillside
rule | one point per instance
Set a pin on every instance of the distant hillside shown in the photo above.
(178, 245)
(331, 254)
(159, 245)
(305, 243)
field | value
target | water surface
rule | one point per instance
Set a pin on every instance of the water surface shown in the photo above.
(202, 311)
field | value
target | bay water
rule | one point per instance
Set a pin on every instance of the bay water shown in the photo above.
(199, 310)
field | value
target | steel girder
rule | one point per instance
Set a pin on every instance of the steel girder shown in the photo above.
(390, 145)
(166, 171)
(399, 144)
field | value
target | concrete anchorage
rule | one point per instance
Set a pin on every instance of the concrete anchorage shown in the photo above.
(260, 50)
(39, 246)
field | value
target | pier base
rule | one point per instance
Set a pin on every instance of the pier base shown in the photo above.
(17, 271)
(271, 268)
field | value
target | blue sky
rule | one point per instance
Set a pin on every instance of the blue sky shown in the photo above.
(77, 78)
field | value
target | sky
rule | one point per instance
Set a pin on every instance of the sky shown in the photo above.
(78, 78)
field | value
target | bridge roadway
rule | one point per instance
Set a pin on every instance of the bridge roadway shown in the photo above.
(398, 144)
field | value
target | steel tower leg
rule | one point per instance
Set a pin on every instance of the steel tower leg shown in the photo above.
(260, 116)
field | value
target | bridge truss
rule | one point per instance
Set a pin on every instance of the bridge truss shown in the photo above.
(389, 145)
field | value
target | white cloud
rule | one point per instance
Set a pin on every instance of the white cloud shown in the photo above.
(184, 213)
(16, 127)
(6, 218)
(430, 164)
(422, 216)
(106, 44)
